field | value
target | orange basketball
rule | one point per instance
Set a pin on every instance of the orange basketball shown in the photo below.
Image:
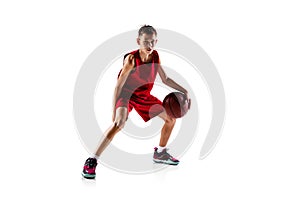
(176, 104)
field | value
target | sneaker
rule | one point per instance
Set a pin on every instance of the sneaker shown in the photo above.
(89, 168)
(164, 157)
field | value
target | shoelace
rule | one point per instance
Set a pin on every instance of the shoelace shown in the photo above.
(165, 152)
(171, 157)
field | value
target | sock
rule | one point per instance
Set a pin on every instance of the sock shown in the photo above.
(95, 156)
(159, 149)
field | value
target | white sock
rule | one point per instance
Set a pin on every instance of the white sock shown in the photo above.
(95, 156)
(159, 149)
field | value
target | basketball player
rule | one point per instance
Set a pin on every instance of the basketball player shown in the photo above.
(132, 90)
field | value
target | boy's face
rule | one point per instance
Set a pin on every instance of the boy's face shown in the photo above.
(147, 42)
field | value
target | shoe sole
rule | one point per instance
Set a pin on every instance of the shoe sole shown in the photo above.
(166, 162)
(88, 176)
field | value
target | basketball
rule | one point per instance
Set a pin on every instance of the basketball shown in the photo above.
(176, 104)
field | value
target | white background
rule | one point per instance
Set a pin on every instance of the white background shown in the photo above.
(255, 46)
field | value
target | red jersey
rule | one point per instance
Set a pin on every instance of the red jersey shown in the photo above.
(136, 89)
(141, 79)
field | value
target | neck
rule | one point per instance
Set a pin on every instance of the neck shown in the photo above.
(145, 57)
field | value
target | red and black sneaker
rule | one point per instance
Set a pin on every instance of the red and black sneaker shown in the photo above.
(164, 157)
(89, 168)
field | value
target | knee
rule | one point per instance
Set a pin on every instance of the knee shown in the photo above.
(116, 127)
(171, 121)
(119, 123)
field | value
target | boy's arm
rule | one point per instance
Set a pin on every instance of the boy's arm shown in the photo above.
(171, 83)
(128, 66)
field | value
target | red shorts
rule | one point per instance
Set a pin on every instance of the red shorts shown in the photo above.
(146, 106)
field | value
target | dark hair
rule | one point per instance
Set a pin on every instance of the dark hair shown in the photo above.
(147, 29)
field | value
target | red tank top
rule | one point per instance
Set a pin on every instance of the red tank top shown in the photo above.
(141, 79)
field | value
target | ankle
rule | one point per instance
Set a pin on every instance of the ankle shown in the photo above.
(160, 149)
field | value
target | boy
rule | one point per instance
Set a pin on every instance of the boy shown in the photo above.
(132, 90)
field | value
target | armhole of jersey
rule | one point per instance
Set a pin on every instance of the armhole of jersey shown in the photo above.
(156, 59)
(134, 68)
(125, 57)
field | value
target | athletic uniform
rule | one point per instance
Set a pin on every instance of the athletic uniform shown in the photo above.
(136, 90)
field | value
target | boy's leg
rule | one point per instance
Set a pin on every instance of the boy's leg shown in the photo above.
(161, 155)
(91, 163)
(166, 129)
(121, 116)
